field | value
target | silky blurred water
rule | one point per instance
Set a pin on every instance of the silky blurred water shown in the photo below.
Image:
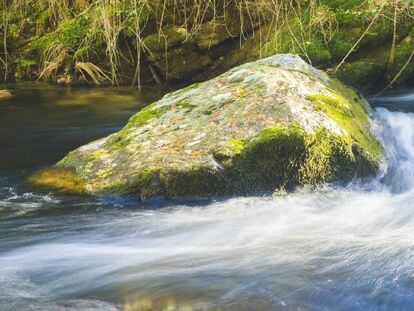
(346, 248)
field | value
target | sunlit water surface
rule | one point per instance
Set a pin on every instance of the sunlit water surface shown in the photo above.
(334, 248)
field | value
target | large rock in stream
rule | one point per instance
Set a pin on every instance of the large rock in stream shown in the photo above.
(273, 124)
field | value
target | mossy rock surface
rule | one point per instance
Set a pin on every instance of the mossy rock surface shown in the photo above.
(276, 123)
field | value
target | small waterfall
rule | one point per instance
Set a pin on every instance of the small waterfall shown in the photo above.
(397, 133)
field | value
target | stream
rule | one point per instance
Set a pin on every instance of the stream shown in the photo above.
(335, 247)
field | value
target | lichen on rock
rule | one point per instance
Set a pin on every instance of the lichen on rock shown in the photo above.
(276, 123)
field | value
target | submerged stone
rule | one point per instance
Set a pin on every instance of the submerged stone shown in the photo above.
(269, 125)
(63, 180)
(5, 95)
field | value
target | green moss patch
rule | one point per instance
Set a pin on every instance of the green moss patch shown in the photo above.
(348, 110)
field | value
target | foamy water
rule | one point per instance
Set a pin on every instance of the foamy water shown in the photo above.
(341, 248)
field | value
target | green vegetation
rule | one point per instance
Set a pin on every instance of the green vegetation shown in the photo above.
(347, 110)
(287, 157)
(130, 41)
(148, 113)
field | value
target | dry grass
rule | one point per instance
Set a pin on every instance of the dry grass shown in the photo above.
(53, 58)
(92, 71)
(110, 19)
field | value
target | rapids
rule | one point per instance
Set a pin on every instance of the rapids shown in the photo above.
(336, 247)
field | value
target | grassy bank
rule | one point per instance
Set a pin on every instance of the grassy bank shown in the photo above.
(143, 41)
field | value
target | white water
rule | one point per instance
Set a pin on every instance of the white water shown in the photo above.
(336, 248)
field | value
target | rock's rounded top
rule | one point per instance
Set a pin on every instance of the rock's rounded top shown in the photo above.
(294, 62)
(270, 124)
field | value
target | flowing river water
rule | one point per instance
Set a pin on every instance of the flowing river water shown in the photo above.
(342, 248)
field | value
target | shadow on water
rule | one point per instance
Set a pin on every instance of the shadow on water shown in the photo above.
(41, 123)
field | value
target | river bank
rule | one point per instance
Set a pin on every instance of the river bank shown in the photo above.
(366, 44)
